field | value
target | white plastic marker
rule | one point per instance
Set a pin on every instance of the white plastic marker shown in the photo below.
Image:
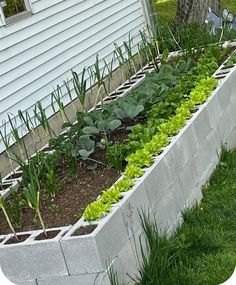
(231, 280)
(4, 280)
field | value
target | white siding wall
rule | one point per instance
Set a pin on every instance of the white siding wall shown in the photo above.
(38, 52)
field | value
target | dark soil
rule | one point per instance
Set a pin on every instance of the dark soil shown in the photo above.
(84, 230)
(227, 66)
(13, 240)
(74, 194)
(50, 234)
(5, 186)
(14, 176)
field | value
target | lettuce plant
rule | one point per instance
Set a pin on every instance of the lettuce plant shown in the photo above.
(124, 185)
(141, 158)
(132, 171)
(202, 90)
(154, 146)
(110, 196)
(96, 211)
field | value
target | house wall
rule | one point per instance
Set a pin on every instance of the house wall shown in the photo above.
(38, 52)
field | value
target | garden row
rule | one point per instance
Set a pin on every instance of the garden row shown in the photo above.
(160, 106)
(82, 257)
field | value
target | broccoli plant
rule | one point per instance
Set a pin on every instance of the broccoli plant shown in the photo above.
(98, 123)
(127, 108)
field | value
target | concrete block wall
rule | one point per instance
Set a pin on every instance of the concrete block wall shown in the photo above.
(173, 183)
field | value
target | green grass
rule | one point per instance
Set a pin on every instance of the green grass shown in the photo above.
(229, 4)
(166, 9)
(203, 249)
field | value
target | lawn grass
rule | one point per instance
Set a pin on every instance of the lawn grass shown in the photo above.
(203, 249)
(166, 9)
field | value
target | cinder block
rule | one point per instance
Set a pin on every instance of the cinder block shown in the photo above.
(28, 282)
(231, 80)
(132, 203)
(188, 178)
(189, 143)
(126, 265)
(91, 253)
(195, 197)
(158, 181)
(214, 110)
(84, 279)
(207, 175)
(206, 155)
(201, 124)
(174, 159)
(169, 207)
(231, 139)
(112, 236)
(224, 94)
(32, 260)
(225, 125)
(82, 255)
(177, 162)
(139, 241)
(214, 145)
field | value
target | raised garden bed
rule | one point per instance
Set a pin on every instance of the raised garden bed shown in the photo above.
(171, 181)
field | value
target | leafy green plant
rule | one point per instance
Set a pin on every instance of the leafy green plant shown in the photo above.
(127, 108)
(141, 158)
(202, 90)
(98, 123)
(155, 145)
(110, 196)
(116, 155)
(96, 211)
(132, 171)
(124, 185)
(86, 146)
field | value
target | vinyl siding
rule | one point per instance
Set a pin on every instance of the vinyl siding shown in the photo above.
(38, 52)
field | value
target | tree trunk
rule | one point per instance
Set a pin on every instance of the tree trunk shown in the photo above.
(194, 10)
